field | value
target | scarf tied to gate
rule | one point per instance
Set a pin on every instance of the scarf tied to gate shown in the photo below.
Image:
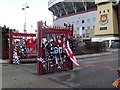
(70, 53)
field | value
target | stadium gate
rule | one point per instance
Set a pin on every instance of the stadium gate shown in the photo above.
(49, 48)
(20, 47)
(51, 56)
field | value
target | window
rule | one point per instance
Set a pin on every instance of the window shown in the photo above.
(93, 27)
(103, 28)
(83, 35)
(100, 12)
(108, 10)
(77, 22)
(78, 28)
(87, 35)
(93, 19)
(68, 23)
(83, 28)
(88, 27)
(83, 21)
(104, 11)
(88, 20)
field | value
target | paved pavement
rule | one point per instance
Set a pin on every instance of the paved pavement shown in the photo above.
(14, 77)
(18, 76)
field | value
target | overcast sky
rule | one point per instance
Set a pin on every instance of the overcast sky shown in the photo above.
(12, 15)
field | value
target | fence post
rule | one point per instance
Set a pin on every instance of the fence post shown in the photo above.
(10, 46)
(71, 63)
(39, 47)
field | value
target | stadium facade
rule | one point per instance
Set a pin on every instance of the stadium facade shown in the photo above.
(85, 16)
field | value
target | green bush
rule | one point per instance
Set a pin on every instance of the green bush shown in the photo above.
(95, 47)
(89, 48)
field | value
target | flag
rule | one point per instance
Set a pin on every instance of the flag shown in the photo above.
(71, 55)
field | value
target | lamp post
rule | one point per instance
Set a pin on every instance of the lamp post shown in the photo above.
(25, 6)
(31, 27)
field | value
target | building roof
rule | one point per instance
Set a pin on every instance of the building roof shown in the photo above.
(62, 8)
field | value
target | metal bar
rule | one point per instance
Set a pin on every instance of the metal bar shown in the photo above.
(57, 31)
(65, 9)
(39, 48)
(10, 47)
(22, 34)
(85, 5)
(58, 10)
(74, 8)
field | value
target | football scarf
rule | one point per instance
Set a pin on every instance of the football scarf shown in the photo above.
(70, 54)
(16, 59)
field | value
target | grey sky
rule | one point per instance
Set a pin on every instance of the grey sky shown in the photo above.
(12, 15)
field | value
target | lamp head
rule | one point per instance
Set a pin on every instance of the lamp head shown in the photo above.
(27, 6)
(23, 8)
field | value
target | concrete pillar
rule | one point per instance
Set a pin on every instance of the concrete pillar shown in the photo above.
(110, 43)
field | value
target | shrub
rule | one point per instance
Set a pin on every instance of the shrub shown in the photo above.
(95, 47)
(89, 48)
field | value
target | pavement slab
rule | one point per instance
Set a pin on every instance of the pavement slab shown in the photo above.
(13, 77)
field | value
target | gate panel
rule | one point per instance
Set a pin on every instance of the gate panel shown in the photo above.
(21, 49)
(55, 60)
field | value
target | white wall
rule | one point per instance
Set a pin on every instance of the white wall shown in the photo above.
(76, 20)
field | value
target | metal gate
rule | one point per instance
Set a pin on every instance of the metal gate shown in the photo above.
(50, 47)
(51, 57)
(18, 47)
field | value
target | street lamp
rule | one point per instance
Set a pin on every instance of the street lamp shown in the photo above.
(31, 27)
(25, 6)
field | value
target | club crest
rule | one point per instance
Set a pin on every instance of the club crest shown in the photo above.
(104, 19)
